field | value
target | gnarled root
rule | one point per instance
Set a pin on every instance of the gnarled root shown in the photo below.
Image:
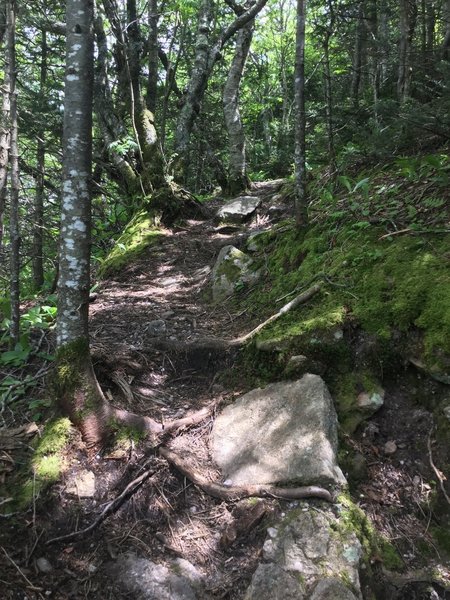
(238, 492)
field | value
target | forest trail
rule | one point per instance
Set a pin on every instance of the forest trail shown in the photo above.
(164, 298)
(153, 327)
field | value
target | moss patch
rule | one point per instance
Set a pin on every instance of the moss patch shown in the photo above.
(376, 547)
(384, 285)
(45, 467)
(140, 233)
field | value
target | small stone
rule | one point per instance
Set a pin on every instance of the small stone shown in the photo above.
(156, 328)
(44, 565)
(390, 448)
(272, 532)
(82, 484)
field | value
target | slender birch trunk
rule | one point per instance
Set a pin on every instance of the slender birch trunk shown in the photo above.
(38, 217)
(301, 199)
(14, 233)
(237, 178)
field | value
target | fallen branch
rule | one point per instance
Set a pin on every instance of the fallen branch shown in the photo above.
(300, 299)
(111, 507)
(439, 474)
(223, 492)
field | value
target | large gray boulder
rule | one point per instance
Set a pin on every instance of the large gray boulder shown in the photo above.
(233, 269)
(311, 554)
(286, 432)
(238, 209)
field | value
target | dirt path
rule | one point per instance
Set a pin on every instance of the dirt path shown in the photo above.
(163, 296)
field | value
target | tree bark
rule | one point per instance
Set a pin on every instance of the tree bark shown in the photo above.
(206, 55)
(38, 217)
(238, 180)
(301, 200)
(328, 90)
(360, 44)
(407, 24)
(446, 43)
(14, 233)
(152, 44)
(74, 272)
(5, 136)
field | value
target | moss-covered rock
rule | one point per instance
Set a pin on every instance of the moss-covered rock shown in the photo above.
(387, 287)
(233, 270)
(140, 233)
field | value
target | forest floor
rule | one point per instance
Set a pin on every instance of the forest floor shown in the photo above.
(166, 292)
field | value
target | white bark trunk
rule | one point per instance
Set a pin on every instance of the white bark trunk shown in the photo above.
(237, 178)
(73, 285)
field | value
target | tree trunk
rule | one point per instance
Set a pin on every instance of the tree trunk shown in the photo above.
(5, 139)
(328, 91)
(14, 233)
(38, 217)
(74, 271)
(301, 201)
(407, 24)
(196, 86)
(446, 44)
(238, 180)
(359, 52)
(206, 55)
(152, 44)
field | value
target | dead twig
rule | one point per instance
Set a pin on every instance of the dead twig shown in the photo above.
(223, 492)
(31, 587)
(111, 507)
(300, 299)
(439, 475)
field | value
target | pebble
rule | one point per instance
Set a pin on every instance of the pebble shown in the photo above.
(390, 448)
(44, 565)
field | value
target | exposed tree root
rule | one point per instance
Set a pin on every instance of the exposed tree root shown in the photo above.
(303, 297)
(217, 344)
(238, 492)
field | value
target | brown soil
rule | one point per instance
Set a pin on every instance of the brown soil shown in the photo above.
(169, 517)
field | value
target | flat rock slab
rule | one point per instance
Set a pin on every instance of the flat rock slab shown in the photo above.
(283, 433)
(238, 209)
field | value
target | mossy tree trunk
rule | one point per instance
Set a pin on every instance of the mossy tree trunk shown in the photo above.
(144, 176)
(76, 386)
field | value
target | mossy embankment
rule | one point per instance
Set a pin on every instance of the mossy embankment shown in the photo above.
(382, 253)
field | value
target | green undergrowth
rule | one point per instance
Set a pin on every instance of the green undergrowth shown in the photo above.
(140, 233)
(383, 284)
(45, 467)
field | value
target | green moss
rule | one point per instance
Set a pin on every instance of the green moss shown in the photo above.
(442, 537)
(383, 285)
(140, 233)
(375, 546)
(54, 437)
(45, 467)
